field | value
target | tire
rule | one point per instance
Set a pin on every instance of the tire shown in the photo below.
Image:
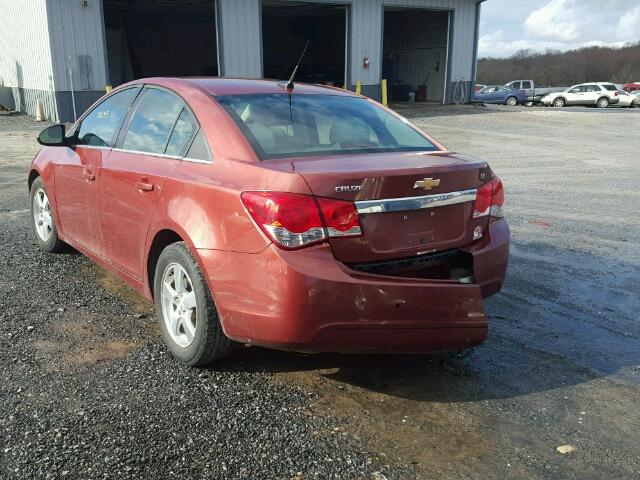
(180, 305)
(559, 102)
(512, 101)
(43, 223)
(603, 102)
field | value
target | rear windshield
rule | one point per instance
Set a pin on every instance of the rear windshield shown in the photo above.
(281, 125)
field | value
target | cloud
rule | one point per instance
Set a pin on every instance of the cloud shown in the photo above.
(629, 24)
(556, 24)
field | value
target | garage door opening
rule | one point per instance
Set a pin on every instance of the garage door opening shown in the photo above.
(415, 50)
(147, 38)
(286, 27)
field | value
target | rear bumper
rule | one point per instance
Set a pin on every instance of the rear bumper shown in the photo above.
(307, 301)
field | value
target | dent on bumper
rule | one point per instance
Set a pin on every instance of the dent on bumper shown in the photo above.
(307, 301)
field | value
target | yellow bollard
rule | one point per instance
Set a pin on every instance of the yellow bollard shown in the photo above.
(108, 88)
(383, 86)
(358, 87)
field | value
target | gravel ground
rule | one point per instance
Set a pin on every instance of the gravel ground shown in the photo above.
(88, 391)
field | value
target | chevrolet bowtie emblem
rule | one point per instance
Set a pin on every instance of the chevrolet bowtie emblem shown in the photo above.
(427, 183)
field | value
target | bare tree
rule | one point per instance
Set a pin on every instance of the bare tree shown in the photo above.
(552, 67)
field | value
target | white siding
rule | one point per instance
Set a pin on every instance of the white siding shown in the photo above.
(26, 74)
(240, 37)
(77, 30)
(25, 59)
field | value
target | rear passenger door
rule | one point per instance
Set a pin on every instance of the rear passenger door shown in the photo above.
(154, 140)
(592, 94)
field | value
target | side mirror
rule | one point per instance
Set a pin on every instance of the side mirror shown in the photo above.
(53, 136)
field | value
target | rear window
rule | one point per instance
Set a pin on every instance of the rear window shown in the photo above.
(611, 88)
(282, 125)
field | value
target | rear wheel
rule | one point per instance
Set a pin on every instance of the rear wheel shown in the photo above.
(559, 102)
(512, 101)
(603, 102)
(184, 306)
(42, 221)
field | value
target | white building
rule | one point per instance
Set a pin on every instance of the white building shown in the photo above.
(65, 52)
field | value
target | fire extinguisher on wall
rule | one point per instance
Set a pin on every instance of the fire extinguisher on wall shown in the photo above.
(365, 62)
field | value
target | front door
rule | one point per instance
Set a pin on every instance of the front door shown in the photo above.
(77, 170)
(150, 147)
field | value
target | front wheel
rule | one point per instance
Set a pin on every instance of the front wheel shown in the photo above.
(559, 102)
(42, 221)
(512, 101)
(184, 306)
(603, 102)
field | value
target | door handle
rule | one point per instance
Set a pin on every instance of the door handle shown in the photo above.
(88, 175)
(144, 186)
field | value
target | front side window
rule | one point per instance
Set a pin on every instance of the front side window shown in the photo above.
(153, 122)
(577, 90)
(281, 125)
(100, 127)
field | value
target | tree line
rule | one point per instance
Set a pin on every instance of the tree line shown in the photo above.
(552, 67)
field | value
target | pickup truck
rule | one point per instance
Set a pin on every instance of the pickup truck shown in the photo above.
(534, 94)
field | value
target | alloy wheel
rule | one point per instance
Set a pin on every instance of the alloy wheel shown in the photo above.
(42, 215)
(179, 307)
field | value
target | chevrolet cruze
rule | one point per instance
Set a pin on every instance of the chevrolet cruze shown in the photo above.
(295, 217)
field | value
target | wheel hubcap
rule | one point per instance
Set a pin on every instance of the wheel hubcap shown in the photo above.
(179, 305)
(42, 215)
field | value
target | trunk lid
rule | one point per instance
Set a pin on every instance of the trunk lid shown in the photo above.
(402, 229)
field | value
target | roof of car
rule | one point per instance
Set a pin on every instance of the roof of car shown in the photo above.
(231, 86)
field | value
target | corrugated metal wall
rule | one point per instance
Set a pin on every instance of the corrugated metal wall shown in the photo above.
(239, 22)
(25, 62)
(240, 37)
(78, 34)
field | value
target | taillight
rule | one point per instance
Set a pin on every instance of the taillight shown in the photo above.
(489, 200)
(294, 220)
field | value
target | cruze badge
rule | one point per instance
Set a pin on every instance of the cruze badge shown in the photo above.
(348, 188)
(427, 183)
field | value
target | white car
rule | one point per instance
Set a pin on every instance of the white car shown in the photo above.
(600, 94)
(628, 99)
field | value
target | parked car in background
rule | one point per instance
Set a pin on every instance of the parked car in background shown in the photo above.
(600, 94)
(500, 95)
(629, 100)
(631, 87)
(301, 217)
(534, 93)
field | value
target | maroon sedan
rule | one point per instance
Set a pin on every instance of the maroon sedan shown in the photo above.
(308, 219)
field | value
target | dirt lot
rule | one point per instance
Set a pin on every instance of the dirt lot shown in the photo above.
(88, 391)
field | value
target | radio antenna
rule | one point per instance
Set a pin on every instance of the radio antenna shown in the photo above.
(290, 85)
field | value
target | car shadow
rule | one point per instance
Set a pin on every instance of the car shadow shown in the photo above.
(563, 318)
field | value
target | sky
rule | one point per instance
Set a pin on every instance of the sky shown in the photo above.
(507, 26)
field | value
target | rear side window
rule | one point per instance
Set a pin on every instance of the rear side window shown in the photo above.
(152, 122)
(100, 127)
(199, 149)
(181, 135)
(526, 84)
(610, 87)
